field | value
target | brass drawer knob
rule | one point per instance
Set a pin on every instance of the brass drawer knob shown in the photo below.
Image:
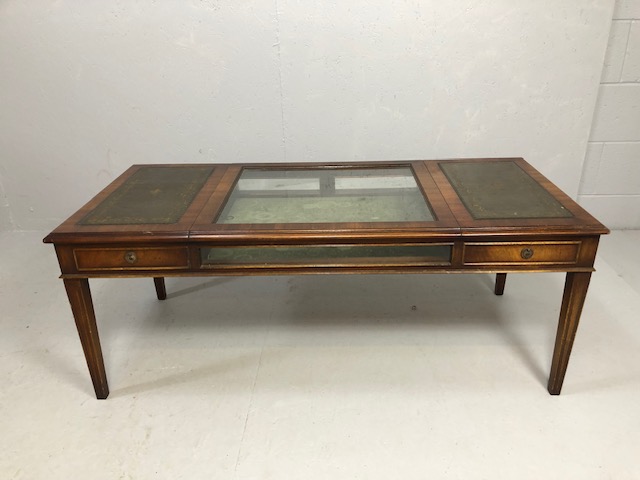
(131, 257)
(526, 253)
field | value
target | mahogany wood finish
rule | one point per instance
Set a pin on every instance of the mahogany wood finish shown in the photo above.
(133, 258)
(581, 221)
(521, 253)
(82, 308)
(501, 279)
(461, 243)
(161, 290)
(575, 292)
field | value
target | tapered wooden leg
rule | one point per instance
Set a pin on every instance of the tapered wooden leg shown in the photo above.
(82, 307)
(575, 292)
(501, 278)
(160, 288)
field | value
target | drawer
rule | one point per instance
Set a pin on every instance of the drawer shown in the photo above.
(134, 258)
(521, 253)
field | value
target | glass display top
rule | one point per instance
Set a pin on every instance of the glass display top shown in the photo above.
(325, 195)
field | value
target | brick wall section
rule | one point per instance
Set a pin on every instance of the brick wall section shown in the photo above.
(610, 187)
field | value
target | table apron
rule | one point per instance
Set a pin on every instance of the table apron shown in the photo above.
(466, 256)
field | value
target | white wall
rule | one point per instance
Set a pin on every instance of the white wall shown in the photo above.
(610, 186)
(6, 222)
(89, 87)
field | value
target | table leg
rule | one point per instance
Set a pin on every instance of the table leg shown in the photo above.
(82, 307)
(161, 290)
(575, 292)
(501, 278)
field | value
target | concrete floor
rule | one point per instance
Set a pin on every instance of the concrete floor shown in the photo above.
(328, 377)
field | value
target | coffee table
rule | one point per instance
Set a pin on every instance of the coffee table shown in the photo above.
(438, 216)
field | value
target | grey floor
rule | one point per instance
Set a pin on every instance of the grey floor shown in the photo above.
(328, 377)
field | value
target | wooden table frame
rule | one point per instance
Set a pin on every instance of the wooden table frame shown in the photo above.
(477, 245)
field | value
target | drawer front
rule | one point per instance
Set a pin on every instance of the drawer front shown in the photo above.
(135, 258)
(521, 253)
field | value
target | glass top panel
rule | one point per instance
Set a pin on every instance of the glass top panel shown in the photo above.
(325, 195)
(501, 190)
(327, 255)
(153, 194)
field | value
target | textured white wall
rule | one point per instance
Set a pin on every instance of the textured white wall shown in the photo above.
(610, 185)
(6, 222)
(89, 87)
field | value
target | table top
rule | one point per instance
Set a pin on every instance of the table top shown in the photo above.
(266, 202)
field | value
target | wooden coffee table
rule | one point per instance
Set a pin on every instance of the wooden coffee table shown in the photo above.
(478, 215)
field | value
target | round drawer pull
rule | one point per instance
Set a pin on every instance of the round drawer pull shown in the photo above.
(131, 257)
(526, 253)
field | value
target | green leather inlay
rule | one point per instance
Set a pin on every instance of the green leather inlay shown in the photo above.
(501, 190)
(152, 195)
